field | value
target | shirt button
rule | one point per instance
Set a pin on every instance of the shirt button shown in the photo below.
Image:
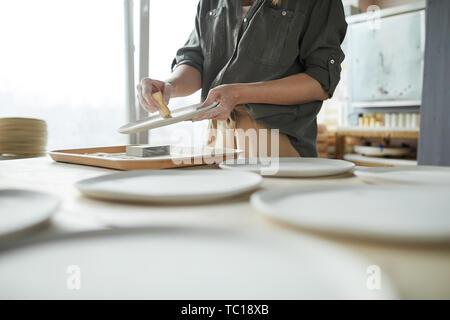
(332, 61)
(284, 12)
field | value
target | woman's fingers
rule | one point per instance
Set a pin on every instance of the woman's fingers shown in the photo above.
(147, 96)
(145, 90)
(212, 97)
(202, 116)
(155, 84)
(167, 92)
(144, 104)
(208, 115)
(227, 102)
(222, 116)
(140, 98)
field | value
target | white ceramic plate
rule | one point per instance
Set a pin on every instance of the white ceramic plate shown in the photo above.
(156, 121)
(376, 211)
(290, 167)
(170, 186)
(381, 152)
(406, 175)
(171, 263)
(22, 209)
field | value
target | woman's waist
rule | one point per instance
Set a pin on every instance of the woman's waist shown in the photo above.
(240, 109)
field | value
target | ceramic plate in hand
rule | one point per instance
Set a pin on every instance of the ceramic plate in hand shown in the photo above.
(156, 121)
(22, 209)
(406, 175)
(290, 167)
(409, 213)
(184, 263)
(170, 186)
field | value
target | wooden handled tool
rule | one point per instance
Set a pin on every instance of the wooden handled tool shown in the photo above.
(163, 108)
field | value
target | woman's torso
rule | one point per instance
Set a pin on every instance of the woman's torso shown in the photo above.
(268, 44)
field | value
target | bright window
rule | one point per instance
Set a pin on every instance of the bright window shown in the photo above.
(171, 22)
(63, 61)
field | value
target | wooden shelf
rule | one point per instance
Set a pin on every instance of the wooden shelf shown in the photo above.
(377, 132)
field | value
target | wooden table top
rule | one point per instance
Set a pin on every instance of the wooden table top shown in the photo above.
(385, 133)
(418, 271)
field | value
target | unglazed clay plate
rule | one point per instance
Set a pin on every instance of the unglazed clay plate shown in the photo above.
(405, 175)
(170, 186)
(23, 209)
(156, 121)
(290, 167)
(185, 263)
(409, 213)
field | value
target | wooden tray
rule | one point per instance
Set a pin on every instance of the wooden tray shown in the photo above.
(115, 158)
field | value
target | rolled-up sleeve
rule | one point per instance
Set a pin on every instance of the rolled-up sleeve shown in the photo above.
(191, 53)
(320, 47)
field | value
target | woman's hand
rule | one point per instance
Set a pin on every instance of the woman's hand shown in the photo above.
(149, 86)
(228, 96)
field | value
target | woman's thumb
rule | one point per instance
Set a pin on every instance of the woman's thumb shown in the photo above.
(210, 99)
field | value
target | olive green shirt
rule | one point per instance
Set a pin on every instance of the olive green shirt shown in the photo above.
(273, 42)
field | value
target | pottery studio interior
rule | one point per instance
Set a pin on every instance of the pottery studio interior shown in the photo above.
(225, 149)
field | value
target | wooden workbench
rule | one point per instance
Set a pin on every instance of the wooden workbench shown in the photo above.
(416, 271)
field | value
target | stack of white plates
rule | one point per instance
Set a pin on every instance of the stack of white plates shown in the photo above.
(22, 137)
